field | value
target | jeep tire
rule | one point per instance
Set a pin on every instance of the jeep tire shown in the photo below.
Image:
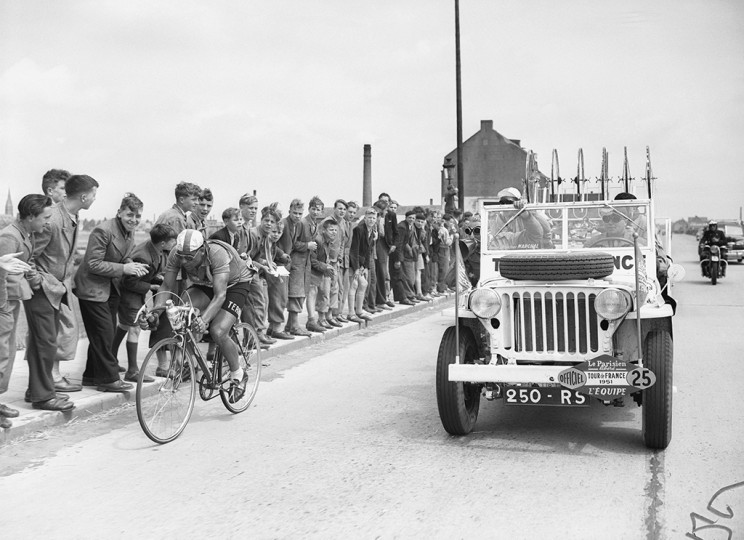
(657, 400)
(458, 402)
(556, 266)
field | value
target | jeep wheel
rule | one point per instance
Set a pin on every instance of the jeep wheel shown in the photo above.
(458, 402)
(557, 266)
(657, 400)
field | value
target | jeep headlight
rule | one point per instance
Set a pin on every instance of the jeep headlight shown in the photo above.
(485, 303)
(612, 303)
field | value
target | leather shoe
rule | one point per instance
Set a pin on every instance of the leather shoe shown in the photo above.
(334, 322)
(341, 319)
(263, 338)
(312, 326)
(278, 334)
(297, 331)
(133, 377)
(390, 303)
(116, 386)
(406, 302)
(60, 395)
(325, 324)
(354, 318)
(364, 316)
(64, 385)
(384, 307)
(7, 412)
(54, 404)
(5, 423)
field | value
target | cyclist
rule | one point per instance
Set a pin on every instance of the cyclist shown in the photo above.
(219, 280)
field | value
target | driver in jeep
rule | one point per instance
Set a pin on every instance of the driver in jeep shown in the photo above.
(518, 228)
(219, 280)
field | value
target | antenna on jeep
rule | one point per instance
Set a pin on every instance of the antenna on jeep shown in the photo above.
(603, 179)
(555, 167)
(626, 171)
(580, 174)
(649, 174)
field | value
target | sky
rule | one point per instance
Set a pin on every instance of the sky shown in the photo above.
(280, 97)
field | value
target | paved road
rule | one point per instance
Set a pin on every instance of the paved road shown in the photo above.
(347, 443)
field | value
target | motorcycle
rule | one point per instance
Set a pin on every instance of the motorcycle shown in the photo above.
(714, 262)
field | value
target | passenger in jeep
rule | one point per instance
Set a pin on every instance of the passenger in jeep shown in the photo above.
(518, 228)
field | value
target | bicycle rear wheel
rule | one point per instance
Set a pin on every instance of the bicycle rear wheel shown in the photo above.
(164, 415)
(238, 398)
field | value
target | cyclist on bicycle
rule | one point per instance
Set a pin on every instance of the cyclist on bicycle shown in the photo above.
(219, 280)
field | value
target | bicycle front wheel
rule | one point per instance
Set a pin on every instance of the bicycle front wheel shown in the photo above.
(238, 398)
(164, 415)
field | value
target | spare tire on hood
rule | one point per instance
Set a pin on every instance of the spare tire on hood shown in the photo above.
(557, 266)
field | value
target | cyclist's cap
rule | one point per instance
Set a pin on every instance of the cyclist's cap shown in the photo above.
(189, 241)
(508, 195)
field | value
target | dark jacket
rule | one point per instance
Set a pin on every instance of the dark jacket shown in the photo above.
(133, 288)
(362, 247)
(109, 249)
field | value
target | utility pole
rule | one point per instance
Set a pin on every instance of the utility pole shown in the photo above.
(460, 168)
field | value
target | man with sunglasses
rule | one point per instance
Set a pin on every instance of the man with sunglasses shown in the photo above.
(220, 281)
(527, 231)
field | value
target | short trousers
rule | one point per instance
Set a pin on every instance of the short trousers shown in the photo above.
(236, 297)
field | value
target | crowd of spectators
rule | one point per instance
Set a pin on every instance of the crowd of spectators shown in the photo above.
(338, 266)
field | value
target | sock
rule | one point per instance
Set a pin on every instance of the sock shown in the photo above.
(132, 356)
(118, 338)
(237, 375)
(56, 375)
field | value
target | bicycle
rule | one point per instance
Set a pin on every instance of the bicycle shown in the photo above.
(164, 416)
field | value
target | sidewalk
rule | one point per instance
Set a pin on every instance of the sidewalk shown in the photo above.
(89, 401)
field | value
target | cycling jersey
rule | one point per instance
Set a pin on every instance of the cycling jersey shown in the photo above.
(221, 258)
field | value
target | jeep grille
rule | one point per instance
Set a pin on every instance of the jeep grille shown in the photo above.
(560, 322)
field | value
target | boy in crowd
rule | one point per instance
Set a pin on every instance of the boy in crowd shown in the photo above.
(249, 209)
(233, 232)
(53, 186)
(363, 240)
(54, 258)
(17, 242)
(404, 262)
(323, 263)
(339, 285)
(205, 202)
(177, 217)
(297, 241)
(107, 260)
(152, 253)
(310, 226)
(273, 259)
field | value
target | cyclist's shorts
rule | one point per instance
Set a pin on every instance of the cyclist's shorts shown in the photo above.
(236, 297)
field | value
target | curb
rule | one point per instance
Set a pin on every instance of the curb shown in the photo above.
(33, 422)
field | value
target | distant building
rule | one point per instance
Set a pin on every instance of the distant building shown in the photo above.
(491, 162)
(9, 205)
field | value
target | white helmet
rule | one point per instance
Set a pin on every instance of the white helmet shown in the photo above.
(509, 193)
(189, 241)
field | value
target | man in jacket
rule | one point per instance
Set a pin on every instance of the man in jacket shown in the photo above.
(361, 256)
(108, 258)
(17, 240)
(53, 255)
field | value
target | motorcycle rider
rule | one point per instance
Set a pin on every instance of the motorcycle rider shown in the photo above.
(713, 236)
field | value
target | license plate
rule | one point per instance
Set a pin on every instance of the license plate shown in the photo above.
(544, 395)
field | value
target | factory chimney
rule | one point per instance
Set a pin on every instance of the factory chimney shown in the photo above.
(367, 176)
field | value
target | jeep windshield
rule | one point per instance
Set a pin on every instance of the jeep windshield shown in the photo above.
(566, 226)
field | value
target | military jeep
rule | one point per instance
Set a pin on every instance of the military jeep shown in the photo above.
(576, 318)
